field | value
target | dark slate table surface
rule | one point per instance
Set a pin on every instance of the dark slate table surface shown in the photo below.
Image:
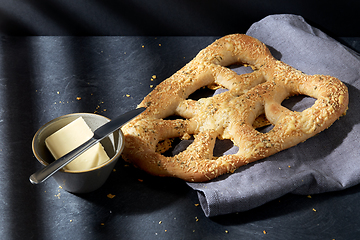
(41, 78)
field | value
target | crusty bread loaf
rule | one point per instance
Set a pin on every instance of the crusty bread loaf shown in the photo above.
(229, 115)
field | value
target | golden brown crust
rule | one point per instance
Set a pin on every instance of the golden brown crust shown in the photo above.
(229, 115)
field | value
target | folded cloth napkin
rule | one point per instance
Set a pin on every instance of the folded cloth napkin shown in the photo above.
(326, 162)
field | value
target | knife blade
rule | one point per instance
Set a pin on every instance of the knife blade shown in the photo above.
(99, 134)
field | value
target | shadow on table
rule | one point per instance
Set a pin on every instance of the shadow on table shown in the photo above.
(137, 192)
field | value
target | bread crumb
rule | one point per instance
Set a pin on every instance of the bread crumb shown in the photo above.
(78, 98)
(226, 231)
(110, 195)
(314, 209)
(186, 136)
(264, 232)
(127, 95)
(308, 196)
(140, 180)
(196, 204)
(160, 222)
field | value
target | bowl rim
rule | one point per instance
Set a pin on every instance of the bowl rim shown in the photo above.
(44, 163)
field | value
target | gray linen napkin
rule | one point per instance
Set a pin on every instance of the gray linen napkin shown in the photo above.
(326, 162)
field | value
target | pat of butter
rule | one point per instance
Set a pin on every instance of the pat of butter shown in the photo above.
(70, 137)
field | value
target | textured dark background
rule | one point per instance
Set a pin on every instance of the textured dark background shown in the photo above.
(40, 78)
(167, 18)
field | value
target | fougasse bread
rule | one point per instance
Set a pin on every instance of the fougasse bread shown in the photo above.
(231, 114)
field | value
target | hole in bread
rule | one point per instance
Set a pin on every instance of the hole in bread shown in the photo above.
(265, 129)
(167, 146)
(173, 146)
(241, 68)
(174, 117)
(181, 145)
(262, 125)
(222, 146)
(203, 92)
(298, 103)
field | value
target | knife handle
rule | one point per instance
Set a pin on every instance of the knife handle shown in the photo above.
(49, 170)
